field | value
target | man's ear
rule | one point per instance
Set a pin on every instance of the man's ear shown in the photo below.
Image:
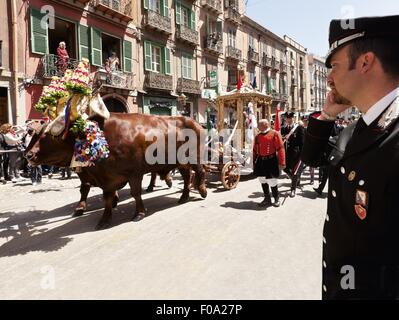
(367, 61)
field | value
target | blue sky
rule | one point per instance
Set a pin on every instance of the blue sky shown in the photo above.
(307, 21)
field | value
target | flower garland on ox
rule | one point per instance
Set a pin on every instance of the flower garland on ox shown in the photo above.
(93, 147)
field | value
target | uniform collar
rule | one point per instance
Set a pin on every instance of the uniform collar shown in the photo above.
(374, 112)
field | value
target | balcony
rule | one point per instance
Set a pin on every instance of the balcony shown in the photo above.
(266, 62)
(275, 65)
(156, 21)
(253, 56)
(284, 97)
(233, 53)
(214, 43)
(187, 35)
(232, 15)
(301, 66)
(120, 9)
(188, 86)
(158, 81)
(115, 79)
(283, 67)
(212, 5)
(52, 65)
(302, 84)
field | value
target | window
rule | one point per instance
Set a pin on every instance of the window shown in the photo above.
(185, 16)
(155, 5)
(156, 59)
(187, 66)
(1, 53)
(232, 76)
(232, 38)
(251, 76)
(273, 51)
(252, 42)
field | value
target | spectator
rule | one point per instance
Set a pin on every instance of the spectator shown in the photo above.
(63, 57)
(12, 137)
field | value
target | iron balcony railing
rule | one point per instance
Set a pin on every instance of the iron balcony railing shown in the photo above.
(231, 14)
(117, 79)
(212, 5)
(121, 9)
(53, 65)
(253, 56)
(233, 53)
(158, 81)
(187, 35)
(188, 86)
(157, 21)
(214, 43)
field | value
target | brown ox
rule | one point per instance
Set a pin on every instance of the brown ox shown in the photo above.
(128, 139)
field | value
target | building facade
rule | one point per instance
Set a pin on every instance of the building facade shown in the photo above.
(175, 56)
(90, 29)
(298, 77)
(318, 82)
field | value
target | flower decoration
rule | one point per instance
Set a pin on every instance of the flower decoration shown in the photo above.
(94, 147)
(78, 81)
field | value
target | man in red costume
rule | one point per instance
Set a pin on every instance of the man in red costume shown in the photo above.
(269, 160)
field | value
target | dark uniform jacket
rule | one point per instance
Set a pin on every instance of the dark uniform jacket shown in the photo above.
(294, 145)
(361, 230)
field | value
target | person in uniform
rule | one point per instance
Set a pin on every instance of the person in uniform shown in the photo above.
(293, 136)
(361, 238)
(269, 160)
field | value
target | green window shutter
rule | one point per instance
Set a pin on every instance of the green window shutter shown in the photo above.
(178, 12)
(192, 15)
(96, 47)
(127, 56)
(164, 8)
(84, 42)
(165, 65)
(39, 36)
(146, 4)
(147, 56)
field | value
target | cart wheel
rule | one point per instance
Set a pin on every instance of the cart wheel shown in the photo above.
(230, 175)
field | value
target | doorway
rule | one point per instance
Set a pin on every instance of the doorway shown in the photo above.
(115, 105)
(63, 31)
(3, 105)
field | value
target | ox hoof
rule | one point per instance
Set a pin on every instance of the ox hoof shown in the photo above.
(183, 199)
(78, 213)
(138, 217)
(115, 202)
(169, 183)
(150, 189)
(103, 224)
(203, 193)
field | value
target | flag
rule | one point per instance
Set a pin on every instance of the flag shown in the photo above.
(254, 85)
(277, 119)
(239, 80)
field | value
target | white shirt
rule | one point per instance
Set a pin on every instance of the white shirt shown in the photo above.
(380, 106)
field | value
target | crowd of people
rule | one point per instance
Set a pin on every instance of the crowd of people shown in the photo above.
(280, 151)
(13, 166)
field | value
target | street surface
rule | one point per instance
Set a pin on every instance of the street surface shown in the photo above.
(223, 247)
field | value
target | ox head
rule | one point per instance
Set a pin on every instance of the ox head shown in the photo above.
(45, 148)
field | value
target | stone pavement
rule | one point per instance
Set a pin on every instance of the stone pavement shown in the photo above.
(223, 247)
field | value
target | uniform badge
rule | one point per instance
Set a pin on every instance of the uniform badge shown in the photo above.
(361, 212)
(362, 198)
(352, 176)
(362, 202)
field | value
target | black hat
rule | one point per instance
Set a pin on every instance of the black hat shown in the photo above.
(344, 31)
(289, 114)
